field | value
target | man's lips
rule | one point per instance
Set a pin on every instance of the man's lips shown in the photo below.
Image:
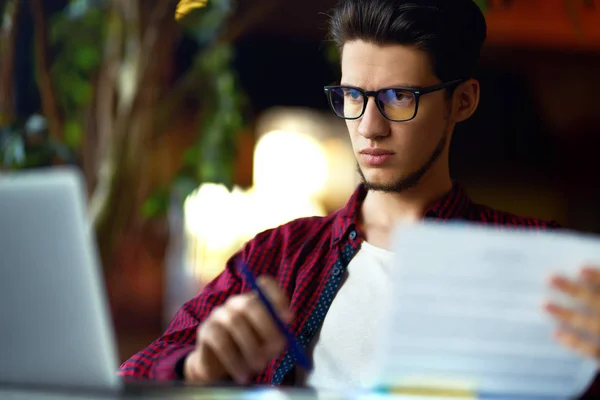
(376, 157)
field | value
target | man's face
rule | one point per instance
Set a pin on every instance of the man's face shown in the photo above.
(411, 147)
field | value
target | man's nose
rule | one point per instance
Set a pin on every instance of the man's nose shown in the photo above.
(373, 124)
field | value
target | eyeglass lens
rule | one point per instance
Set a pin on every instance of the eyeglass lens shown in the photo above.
(396, 104)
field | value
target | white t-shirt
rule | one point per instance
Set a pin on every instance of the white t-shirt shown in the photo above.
(343, 349)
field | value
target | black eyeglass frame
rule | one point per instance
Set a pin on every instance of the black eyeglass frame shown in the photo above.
(417, 93)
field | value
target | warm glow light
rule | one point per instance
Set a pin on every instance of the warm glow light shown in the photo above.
(211, 216)
(212, 219)
(291, 163)
(270, 208)
(343, 176)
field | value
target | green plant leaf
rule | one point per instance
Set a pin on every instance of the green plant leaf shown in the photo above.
(156, 204)
(73, 134)
(191, 156)
(87, 58)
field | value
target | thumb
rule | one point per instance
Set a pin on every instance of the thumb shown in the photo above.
(276, 297)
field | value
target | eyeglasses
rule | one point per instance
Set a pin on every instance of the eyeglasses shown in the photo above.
(398, 104)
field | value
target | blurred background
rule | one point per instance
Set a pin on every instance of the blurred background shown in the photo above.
(201, 125)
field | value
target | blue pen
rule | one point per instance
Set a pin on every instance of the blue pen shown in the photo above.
(294, 346)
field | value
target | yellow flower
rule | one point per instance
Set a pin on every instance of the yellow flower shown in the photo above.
(184, 7)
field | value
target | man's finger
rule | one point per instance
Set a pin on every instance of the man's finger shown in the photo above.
(581, 292)
(275, 295)
(243, 331)
(220, 341)
(591, 276)
(272, 340)
(578, 344)
(575, 319)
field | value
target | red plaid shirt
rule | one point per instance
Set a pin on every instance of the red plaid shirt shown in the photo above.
(308, 257)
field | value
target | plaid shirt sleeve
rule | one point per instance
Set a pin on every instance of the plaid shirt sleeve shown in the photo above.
(163, 359)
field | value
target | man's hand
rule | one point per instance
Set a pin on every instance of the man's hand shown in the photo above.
(583, 326)
(239, 339)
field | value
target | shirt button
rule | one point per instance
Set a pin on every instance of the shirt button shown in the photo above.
(336, 271)
(352, 235)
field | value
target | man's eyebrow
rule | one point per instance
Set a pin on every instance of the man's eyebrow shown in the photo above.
(399, 85)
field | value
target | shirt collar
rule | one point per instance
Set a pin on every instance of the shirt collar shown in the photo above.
(453, 205)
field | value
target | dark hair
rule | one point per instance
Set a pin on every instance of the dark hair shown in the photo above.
(451, 32)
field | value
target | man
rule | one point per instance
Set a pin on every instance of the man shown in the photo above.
(407, 70)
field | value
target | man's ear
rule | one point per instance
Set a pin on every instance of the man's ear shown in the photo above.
(466, 100)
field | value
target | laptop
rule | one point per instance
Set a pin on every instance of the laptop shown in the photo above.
(56, 331)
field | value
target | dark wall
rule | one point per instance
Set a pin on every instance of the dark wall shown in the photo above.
(283, 71)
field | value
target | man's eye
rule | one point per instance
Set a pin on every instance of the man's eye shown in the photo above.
(354, 94)
(401, 96)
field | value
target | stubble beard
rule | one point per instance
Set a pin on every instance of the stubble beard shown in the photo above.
(408, 181)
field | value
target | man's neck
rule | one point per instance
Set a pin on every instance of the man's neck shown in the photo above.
(381, 211)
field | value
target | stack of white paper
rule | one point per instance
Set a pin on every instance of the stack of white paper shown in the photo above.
(467, 312)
